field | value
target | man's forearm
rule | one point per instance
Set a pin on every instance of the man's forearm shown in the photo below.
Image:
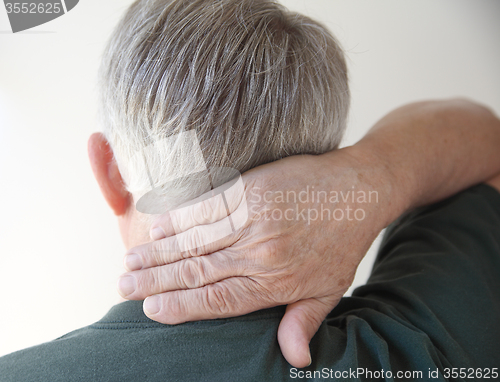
(430, 150)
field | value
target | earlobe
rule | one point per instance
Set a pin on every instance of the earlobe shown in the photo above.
(107, 174)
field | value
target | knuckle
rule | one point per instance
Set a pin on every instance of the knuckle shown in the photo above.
(156, 252)
(193, 242)
(191, 274)
(194, 245)
(163, 251)
(157, 280)
(203, 212)
(150, 281)
(191, 252)
(282, 291)
(218, 300)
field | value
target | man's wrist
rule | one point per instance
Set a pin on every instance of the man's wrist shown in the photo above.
(378, 173)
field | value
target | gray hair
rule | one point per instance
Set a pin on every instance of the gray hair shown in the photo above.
(255, 81)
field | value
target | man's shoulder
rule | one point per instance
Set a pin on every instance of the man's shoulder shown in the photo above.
(55, 360)
(126, 346)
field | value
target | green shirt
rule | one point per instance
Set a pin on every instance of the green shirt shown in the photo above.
(431, 303)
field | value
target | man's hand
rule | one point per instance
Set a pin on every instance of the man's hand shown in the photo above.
(300, 246)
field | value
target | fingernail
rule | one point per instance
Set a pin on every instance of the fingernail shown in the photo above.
(126, 285)
(157, 233)
(132, 262)
(310, 360)
(152, 305)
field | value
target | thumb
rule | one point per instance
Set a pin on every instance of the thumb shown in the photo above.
(301, 321)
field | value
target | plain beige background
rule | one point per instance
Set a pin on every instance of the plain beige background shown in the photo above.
(59, 244)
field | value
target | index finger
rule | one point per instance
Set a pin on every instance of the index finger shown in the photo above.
(217, 204)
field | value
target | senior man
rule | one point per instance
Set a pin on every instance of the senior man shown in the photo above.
(258, 83)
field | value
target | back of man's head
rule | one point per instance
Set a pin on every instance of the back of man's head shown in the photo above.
(256, 82)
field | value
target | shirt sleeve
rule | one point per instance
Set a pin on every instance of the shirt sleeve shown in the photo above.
(432, 301)
(439, 267)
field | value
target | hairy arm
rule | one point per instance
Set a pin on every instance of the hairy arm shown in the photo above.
(415, 155)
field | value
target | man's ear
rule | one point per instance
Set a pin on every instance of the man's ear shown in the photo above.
(107, 175)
